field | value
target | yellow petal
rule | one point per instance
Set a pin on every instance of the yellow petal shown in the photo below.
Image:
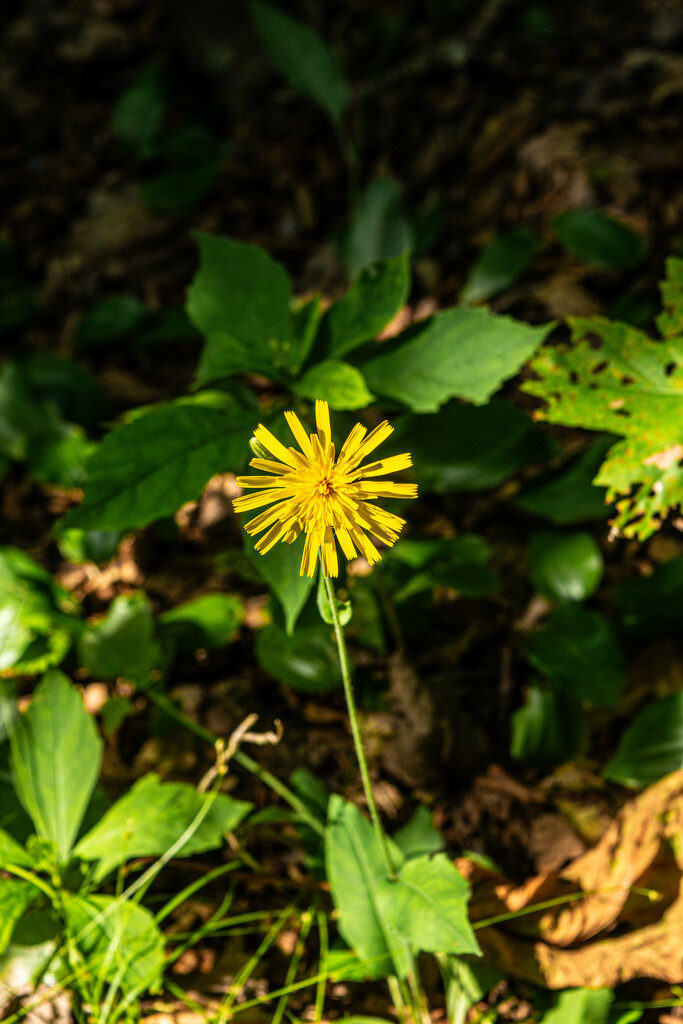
(300, 434)
(383, 489)
(265, 519)
(268, 540)
(271, 443)
(249, 501)
(351, 444)
(322, 421)
(345, 542)
(310, 555)
(270, 467)
(330, 559)
(394, 464)
(259, 481)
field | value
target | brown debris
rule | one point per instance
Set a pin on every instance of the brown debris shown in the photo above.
(631, 880)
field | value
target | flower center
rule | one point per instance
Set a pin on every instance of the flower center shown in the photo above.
(323, 487)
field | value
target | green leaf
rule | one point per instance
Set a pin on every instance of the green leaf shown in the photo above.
(138, 114)
(147, 469)
(419, 836)
(163, 326)
(374, 298)
(579, 653)
(565, 566)
(122, 644)
(547, 729)
(357, 873)
(460, 563)
(119, 941)
(10, 850)
(77, 394)
(306, 319)
(239, 299)
(500, 264)
(152, 816)
(211, 620)
(615, 378)
(23, 413)
(303, 58)
(109, 319)
(596, 238)
(15, 897)
(465, 353)
(580, 1006)
(380, 229)
(80, 546)
(468, 447)
(182, 187)
(34, 631)
(336, 382)
(653, 604)
(54, 785)
(62, 457)
(569, 496)
(652, 746)
(308, 660)
(427, 907)
(279, 567)
(344, 610)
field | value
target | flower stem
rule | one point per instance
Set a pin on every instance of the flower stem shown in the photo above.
(355, 728)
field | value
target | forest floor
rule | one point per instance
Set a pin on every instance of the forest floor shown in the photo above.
(490, 116)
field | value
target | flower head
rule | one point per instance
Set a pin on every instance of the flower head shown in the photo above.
(311, 492)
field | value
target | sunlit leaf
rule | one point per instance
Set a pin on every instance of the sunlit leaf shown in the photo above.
(565, 566)
(463, 352)
(53, 784)
(652, 745)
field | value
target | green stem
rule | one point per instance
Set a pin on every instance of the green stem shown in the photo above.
(162, 701)
(355, 728)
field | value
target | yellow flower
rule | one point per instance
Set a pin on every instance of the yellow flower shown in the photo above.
(321, 496)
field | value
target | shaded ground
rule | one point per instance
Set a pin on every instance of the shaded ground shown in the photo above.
(489, 116)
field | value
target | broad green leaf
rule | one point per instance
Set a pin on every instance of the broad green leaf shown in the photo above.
(652, 746)
(122, 644)
(109, 319)
(239, 299)
(614, 378)
(459, 563)
(303, 58)
(138, 114)
(500, 264)
(653, 604)
(15, 897)
(210, 620)
(153, 816)
(12, 853)
(379, 229)
(344, 965)
(147, 469)
(580, 1006)
(357, 874)
(308, 660)
(427, 907)
(118, 940)
(467, 447)
(34, 632)
(374, 298)
(565, 566)
(596, 238)
(52, 783)
(463, 352)
(579, 653)
(62, 457)
(547, 729)
(31, 950)
(336, 382)
(279, 567)
(419, 836)
(568, 496)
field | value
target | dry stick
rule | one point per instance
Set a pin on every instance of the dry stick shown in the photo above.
(162, 701)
